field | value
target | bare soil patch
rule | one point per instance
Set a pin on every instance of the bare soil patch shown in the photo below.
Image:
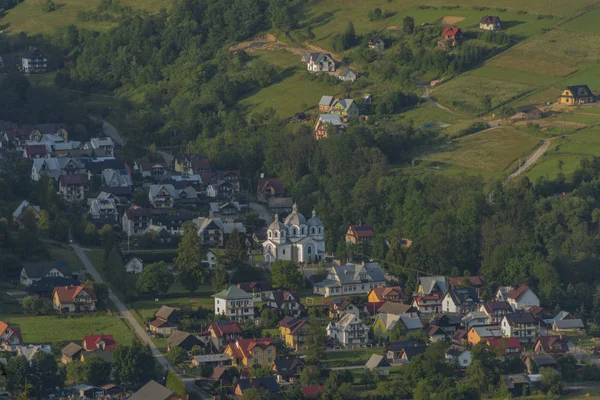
(450, 20)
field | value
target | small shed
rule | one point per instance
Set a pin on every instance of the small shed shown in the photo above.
(378, 363)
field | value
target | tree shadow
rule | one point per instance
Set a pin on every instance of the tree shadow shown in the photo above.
(4, 27)
(511, 24)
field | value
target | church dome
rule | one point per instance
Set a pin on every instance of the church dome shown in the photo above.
(295, 218)
(314, 221)
(276, 225)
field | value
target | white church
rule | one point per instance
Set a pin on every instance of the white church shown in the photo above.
(295, 239)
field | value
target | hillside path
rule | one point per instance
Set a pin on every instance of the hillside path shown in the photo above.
(427, 97)
(530, 160)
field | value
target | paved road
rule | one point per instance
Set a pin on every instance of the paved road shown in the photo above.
(530, 160)
(139, 330)
(110, 131)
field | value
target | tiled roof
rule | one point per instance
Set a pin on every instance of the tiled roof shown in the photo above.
(518, 292)
(223, 327)
(506, 343)
(67, 294)
(91, 342)
(451, 31)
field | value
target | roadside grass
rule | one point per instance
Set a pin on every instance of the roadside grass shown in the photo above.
(492, 151)
(427, 112)
(556, 160)
(29, 17)
(64, 252)
(60, 331)
(466, 93)
(587, 22)
(344, 358)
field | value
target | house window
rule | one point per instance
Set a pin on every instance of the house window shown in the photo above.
(294, 232)
(270, 234)
(283, 252)
(269, 351)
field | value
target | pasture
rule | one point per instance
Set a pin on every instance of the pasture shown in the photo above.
(587, 22)
(61, 331)
(493, 151)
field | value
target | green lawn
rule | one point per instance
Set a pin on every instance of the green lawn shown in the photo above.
(492, 151)
(344, 358)
(147, 308)
(427, 112)
(50, 329)
(61, 252)
(466, 93)
(587, 22)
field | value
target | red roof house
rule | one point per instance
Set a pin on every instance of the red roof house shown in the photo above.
(99, 342)
(274, 187)
(510, 345)
(74, 298)
(9, 335)
(360, 234)
(224, 331)
(452, 32)
(312, 392)
(35, 151)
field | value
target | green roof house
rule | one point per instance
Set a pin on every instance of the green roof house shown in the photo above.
(234, 303)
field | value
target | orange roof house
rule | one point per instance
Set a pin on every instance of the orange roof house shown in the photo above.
(248, 352)
(387, 293)
(10, 336)
(74, 298)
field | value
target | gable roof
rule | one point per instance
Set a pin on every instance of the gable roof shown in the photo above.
(520, 318)
(243, 347)
(568, 324)
(487, 331)
(414, 351)
(276, 183)
(507, 343)
(71, 349)
(377, 361)
(224, 327)
(451, 31)
(518, 293)
(460, 296)
(429, 282)
(547, 342)
(67, 294)
(397, 346)
(287, 366)
(363, 231)
(164, 312)
(395, 308)
(39, 270)
(574, 89)
(268, 383)
(23, 206)
(152, 391)
(493, 306)
(326, 100)
(475, 281)
(294, 324)
(255, 286)
(333, 119)
(91, 342)
(543, 359)
(489, 19)
(232, 293)
(177, 337)
(388, 320)
(281, 296)
(455, 350)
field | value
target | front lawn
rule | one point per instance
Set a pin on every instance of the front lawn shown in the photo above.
(60, 331)
(345, 358)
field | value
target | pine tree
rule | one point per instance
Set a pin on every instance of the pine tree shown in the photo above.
(189, 257)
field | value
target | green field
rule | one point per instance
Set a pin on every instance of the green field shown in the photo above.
(29, 16)
(427, 112)
(344, 358)
(50, 329)
(492, 151)
(588, 22)
(59, 252)
(147, 308)
(466, 93)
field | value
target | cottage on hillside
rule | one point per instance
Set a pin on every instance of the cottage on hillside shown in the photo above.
(451, 37)
(490, 23)
(575, 95)
(272, 187)
(74, 298)
(460, 301)
(360, 234)
(34, 61)
(324, 122)
(318, 62)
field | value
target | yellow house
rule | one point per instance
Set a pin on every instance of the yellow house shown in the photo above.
(386, 293)
(383, 325)
(573, 95)
(249, 352)
(292, 331)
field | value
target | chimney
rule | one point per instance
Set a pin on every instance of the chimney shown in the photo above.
(561, 337)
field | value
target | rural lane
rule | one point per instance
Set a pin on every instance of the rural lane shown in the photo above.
(139, 330)
(530, 160)
(427, 97)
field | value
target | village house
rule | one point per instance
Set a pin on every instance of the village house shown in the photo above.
(386, 293)
(74, 298)
(495, 310)
(267, 386)
(153, 170)
(26, 208)
(432, 285)
(210, 259)
(154, 391)
(451, 37)
(185, 341)
(517, 384)
(575, 95)
(280, 205)
(115, 178)
(510, 345)
(435, 333)
(105, 144)
(521, 325)
(376, 44)
(534, 362)
(165, 321)
(347, 75)
(98, 342)
(568, 325)
(296, 239)
(211, 360)
(398, 309)
(551, 345)
(476, 282)
(249, 352)
(41, 167)
(34, 61)
(346, 109)
(210, 232)
(378, 364)
(260, 290)
(288, 370)
(318, 62)
(35, 151)
(72, 188)
(190, 164)
(460, 354)
(394, 350)
(133, 264)
(223, 332)
(339, 307)
(325, 104)
(408, 353)
(385, 322)
(360, 234)
(460, 301)
(351, 279)
(10, 336)
(267, 188)
(286, 302)
(135, 221)
(33, 272)
(475, 318)
(230, 210)
(349, 331)
(428, 304)
(235, 304)
(478, 333)
(293, 331)
(522, 298)
(490, 23)
(103, 211)
(324, 122)
(70, 353)
(449, 322)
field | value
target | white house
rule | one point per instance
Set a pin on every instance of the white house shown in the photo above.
(286, 302)
(351, 279)
(318, 62)
(105, 144)
(296, 239)
(235, 304)
(460, 354)
(45, 167)
(33, 272)
(521, 325)
(522, 298)
(475, 318)
(34, 61)
(210, 259)
(347, 75)
(134, 265)
(460, 301)
(490, 23)
(349, 331)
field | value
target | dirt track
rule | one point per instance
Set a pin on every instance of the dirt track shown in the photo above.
(269, 42)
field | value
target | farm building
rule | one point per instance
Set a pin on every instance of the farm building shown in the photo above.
(573, 95)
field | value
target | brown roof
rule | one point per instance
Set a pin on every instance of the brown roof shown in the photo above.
(243, 347)
(221, 328)
(395, 308)
(383, 292)
(71, 349)
(276, 184)
(76, 179)
(492, 306)
(518, 292)
(164, 312)
(363, 231)
(475, 281)
(547, 342)
(67, 294)
(293, 323)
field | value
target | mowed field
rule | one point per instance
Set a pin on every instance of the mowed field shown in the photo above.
(490, 152)
(50, 329)
(29, 16)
